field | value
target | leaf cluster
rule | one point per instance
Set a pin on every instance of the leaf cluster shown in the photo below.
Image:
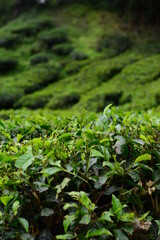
(83, 177)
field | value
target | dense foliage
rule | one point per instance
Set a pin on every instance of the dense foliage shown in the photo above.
(144, 11)
(86, 177)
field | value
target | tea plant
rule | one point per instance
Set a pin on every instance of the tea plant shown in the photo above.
(84, 177)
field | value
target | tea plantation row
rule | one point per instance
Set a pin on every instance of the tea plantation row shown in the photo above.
(74, 57)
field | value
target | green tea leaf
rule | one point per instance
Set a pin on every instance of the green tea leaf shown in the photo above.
(61, 186)
(25, 160)
(128, 229)
(98, 232)
(158, 224)
(107, 108)
(6, 199)
(102, 123)
(143, 216)
(144, 157)
(51, 171)
(79, 143)
(66, 236)
(19, 137)
(15, 207)
(96, 153)
(70, 205)
(66, 136)
(85, 219)
(128, 217)
(106, 216)
(120, 235)
(46, 212)
(117, 206)
(24, 223)
(86, 201)
(68, 220)
(105, 153)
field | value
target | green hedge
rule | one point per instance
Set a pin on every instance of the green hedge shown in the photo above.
(86, 177)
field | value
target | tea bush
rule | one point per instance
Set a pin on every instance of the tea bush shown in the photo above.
(80, 177)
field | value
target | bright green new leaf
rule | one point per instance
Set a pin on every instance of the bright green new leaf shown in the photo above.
(70, 205)
(86, 201)
(6, 199)
(24, 223)
(143, 157)
(106, 216)
(128, 217)
(106, 109)
(15, 207)
(143, 216)
(19, 137)
(98, 232)
(74, 194)
(66, 236)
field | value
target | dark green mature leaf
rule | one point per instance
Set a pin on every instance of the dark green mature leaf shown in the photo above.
(120, 235)
(85, 219)
(46, 212)
(158, 224)
(27, 236)
(46, 235)
(127, 229)
(92, 161)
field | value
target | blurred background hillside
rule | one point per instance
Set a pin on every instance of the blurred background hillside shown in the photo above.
(71, 55)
